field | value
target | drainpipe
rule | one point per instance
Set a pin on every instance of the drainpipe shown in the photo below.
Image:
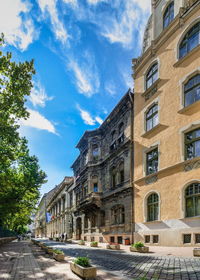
(131, 167)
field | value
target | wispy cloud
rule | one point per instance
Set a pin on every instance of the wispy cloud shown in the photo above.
(49, 7)
(95, 2)
(87, 117)
(71, 2)
(121, 29)
(38, 121)
(110, 88)
(16, 23)
(99, 120)
(38, 95)
(86, 75)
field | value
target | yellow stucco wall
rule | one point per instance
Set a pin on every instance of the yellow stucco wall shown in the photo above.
(168, 136)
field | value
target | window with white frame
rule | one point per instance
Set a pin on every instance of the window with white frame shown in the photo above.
(152, 161)
(192, 90)
(192, 200)
(168, 15)
(152, 75)
(152, 117)
(192, 144)
(152, 207)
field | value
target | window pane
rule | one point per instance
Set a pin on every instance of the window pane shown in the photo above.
(189, 207)
(189, 151)
(197, 94)
(193, 41)
(189, 98)
(197, 149)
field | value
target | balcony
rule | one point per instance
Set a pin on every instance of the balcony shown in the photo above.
(89, 202)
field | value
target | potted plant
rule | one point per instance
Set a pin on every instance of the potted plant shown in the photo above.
(113, 246)
(81, 242)
(58, 255)
(94, 244)
(139, 247)
(196, 252)
(82, 267)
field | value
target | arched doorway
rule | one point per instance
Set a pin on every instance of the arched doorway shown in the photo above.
(78, 228)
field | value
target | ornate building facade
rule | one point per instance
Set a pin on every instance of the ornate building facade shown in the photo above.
(103, 192)
(167, 127)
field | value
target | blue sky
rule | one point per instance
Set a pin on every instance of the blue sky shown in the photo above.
(82, 51)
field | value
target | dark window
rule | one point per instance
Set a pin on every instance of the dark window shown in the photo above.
(155, 238)
(152, 117)
(92, 238)
(121, 128)
(186, 238)
(113, 135)
(113, 177)
(152, 75)
(112, 239)
(190, 41)
(168, 15)
(85, 190)
(95, 187)
(192, 200)
(152, 207)
(192, 144)
(86, 222)
(192, 90)
(152, 162)
(121, 173)
(197, 238)
(117, 214)
(85, 238)
(102, 218)
(93, 220)
(119, 240)
(95, 152)
(147, 238)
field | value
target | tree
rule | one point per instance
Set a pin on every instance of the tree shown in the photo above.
(20, 174)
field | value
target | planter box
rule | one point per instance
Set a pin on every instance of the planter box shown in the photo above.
(140, 249)
(50, 251)
(93, 245)
(84, 272)
(59, 257)
(196, 252)
(113, 246)
(81, 242)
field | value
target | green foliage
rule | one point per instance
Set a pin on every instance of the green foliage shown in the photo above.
(82, 261)
(138, 244)
(95, 243)
(58, 252)
(20, 174)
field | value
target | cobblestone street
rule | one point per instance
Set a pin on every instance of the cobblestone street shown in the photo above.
(134, 266)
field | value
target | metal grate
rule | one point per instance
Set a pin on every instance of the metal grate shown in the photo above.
(147, 238)
(197, 238)
(186, 238)
(155, 238)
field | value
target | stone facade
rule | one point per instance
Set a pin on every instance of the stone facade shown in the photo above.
(102, 190)
(166, 175)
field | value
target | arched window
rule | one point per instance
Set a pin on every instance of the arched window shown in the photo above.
(192, 144)
(190, 41)
(117, 214)
(152, 117)
(192, 90)
(192, 200)
(152, 75)
(152, 207)
(168, 15)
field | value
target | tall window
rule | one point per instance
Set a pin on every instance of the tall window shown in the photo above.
(152, 207)
(95, 152)
(113, 177)
(152, 117)
(95, 183)
(95, 187)
(121, 128)
(70, 199)
(152, 75)
(152, 162)
(192, 144)
(93, 220)
(168, 15)
(190, 41)
(86, 221)
(121, 172)
(102, 218)
(192, 200)
(192, 90)
(117, 214)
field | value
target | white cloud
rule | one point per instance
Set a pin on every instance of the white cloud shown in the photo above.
(38, 95)
(38, 121)
(86, 117)
(59, 30)
(71, 2)
(110, 88)
(128, 80)
(19, 32)
(95, 2)
(99, 120)
(85, 72)
(121, 29)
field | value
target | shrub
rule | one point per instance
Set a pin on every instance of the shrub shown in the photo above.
(59, 252)
(138, 244)
(82, 261)
(95, 243)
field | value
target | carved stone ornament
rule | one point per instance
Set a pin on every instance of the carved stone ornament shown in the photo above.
(189, 3)
(192, 165)
(151, 179)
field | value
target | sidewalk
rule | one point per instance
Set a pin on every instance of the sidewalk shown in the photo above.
(24, 261)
